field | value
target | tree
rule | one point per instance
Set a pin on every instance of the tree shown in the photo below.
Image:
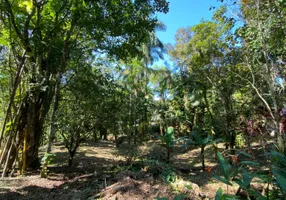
(44, 36)
(203, 53)
(262, 38)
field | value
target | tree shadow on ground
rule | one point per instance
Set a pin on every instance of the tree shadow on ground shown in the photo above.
(77, 183)
(85, 161)
(87, 175)
(192, 173)
(69, 190)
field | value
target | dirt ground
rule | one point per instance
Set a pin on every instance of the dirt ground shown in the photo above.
(92, 176)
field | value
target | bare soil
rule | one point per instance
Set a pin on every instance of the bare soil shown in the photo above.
(93, 176)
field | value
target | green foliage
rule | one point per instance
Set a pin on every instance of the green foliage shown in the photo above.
(47, 43)
(220, 196)
(278, 169)
(102, 51)
(161, 198)
(201, 140)
(46, 160)
(241, 176)
(156, 152)
(159, 169)
(169, 137)
(227, 171)
(169, 176)
(240, 141)
(129, 153)
(168, 141)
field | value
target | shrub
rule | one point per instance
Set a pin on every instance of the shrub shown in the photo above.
(129, 153)
(240, 141)
(46, 160)
(155, 168)
(156, 152)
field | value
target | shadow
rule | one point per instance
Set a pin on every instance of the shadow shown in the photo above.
(188, 163)
(10, 195)
(66, 191)
(94, 168)
(82, 164)
(195, 174)
(87, 176)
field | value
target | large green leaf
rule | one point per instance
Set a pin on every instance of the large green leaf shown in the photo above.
(218, 194)
(257, 194)
(280, 157)
(252, 163)
(179, 197)
(245, 154)
(245, 182)
(219, 178)
(246, 177)
(161, 198)
(280, 178)
(224, 166)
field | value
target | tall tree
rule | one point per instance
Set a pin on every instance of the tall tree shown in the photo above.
(45, 35)
(263, 38)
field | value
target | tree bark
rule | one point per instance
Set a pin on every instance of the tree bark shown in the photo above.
(53, 114)
(37, 109)
(203, 156)
(24, 154)
(71, 153)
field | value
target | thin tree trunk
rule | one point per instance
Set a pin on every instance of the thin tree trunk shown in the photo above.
(12, 96)
(130, 120)
(72, 153)
(24, 156)
(168, 154)
(207, 104)
(271, 87)
(53, 114)
(10, 159)
(203, 156)
(5, 150)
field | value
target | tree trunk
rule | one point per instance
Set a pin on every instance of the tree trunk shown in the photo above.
(5, 150)
(37, 109)
(232, 142)
(72, 153)
(116, 140)
(168, 154)
(102, 132)
(73, 142)
(207, 105)
(271, 81)
(53, 114)
(24, 154)
(11, 156)
(12, 96)
(94, 136)
(203, 156)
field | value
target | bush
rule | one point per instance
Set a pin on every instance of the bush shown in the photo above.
(274, 178)
(156, 168)
(240, 141)
(46, 160)
(156, 152)
(129, 153)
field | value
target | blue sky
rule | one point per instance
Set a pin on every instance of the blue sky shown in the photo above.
(183, 13)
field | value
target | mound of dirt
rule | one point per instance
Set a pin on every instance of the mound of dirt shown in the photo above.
(131, 189)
